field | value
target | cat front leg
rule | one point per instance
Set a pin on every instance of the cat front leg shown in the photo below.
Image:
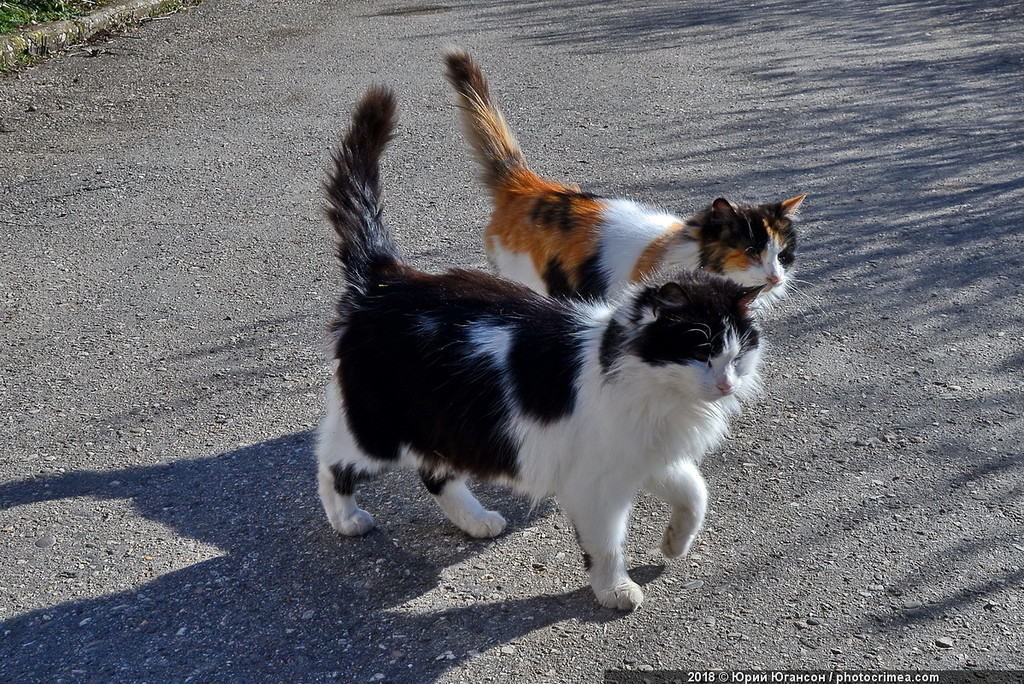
(462, 508)
(601, 521)
(682, 487)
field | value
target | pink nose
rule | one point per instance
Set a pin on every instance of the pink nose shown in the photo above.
(773, 279)
(725, 387)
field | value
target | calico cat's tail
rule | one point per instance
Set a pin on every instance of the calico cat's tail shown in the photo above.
(365, 248)
(496, 147)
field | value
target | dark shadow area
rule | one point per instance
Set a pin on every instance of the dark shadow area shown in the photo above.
(319, 604)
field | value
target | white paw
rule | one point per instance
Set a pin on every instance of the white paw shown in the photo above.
(489, 524)
(357, 524)
(675, 544)
(626, 596)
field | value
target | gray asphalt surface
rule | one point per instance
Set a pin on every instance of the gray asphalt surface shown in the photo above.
(166, 277)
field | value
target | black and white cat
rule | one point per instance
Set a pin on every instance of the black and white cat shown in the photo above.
(465, 374)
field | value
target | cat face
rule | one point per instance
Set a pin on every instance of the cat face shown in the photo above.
(696, 334)
(751, 245)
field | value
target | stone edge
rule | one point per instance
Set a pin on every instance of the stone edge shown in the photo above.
(54, 36)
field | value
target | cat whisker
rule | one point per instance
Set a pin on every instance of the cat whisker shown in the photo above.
(789, 303)
(704, 328)
(705, 332)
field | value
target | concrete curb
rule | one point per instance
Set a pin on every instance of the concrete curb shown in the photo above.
(59, 35)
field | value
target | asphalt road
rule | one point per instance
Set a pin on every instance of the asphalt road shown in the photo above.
(166, 278)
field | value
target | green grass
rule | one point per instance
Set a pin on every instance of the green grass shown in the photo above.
(17, 14)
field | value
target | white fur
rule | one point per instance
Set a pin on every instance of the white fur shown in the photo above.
(627, 228)
(640, 426)
(762, 271)
(514, 266)
(682, 254)
(493, 342)
(622, 436)
(681, 486)
(335, 444)
(463, 509)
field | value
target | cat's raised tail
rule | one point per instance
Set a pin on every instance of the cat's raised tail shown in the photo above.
(496, 147)
(365, 248)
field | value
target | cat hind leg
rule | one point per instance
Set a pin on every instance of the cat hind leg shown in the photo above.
(462, 508)
(336, 485)
(342, 465)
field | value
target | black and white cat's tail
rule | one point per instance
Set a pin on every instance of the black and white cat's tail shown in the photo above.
(365, 248)
(497, 150)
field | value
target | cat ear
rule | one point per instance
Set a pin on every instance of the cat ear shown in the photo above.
(790, 206)
(723, 210)
(746, 298)
(670, 294)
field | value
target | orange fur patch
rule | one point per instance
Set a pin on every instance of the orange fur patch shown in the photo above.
(654, 253)
(513, 224)
(735, 260)
(790, 206)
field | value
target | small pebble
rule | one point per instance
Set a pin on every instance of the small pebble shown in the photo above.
(46, 541)
(943, 643)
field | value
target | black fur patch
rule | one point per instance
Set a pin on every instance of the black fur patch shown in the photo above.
(593, 284)
(557, 281)
(788, 253)
(587, 560)
(345, 479)
(611, 345)
(412, 375)
(555, 210)
(545, 360)
(693, 329)
(433, 482)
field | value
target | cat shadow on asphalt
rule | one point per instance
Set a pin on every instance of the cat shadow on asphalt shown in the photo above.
(289, 598)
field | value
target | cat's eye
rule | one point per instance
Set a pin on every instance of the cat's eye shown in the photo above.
(785, 259)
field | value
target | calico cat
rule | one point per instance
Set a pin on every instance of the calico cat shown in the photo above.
(468, 374)
(562, 241)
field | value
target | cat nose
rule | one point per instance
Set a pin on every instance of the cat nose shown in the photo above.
(725, 387)
(772, 279)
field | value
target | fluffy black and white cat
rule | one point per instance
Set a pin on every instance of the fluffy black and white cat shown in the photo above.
(466, 374)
